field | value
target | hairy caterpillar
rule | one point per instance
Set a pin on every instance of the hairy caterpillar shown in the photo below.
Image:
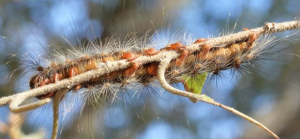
(112, 88)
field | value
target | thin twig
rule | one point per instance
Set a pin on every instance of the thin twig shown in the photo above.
(55, 106)
(17, 101)
(161, 77)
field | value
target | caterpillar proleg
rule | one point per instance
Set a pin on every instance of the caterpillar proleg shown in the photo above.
(90, 83)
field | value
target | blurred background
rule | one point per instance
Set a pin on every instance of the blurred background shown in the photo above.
(268, 92)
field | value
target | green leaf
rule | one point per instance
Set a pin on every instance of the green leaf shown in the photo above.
(194, 83)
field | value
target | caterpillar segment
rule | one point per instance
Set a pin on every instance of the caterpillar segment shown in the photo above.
(151, 52)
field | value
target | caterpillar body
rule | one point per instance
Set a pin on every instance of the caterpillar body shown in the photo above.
(221, 58)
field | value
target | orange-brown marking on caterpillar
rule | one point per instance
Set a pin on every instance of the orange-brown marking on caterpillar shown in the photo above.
(183, 52)
(152, 69)
(243, 47)
(177, 46)
(234, 49)
(221, 52)
(204, 48)
(151, 51)
(73, 71)
(209, 56)
(253, 36)
(129, 56)
(90, 65)
(200, 40)
(131, 70)
(108, 58)
(227, 52)
(57, 77)
(203, 52)
(183, 55)
(246, 29)
(44, 81)
(77, 87)
(112, 75)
